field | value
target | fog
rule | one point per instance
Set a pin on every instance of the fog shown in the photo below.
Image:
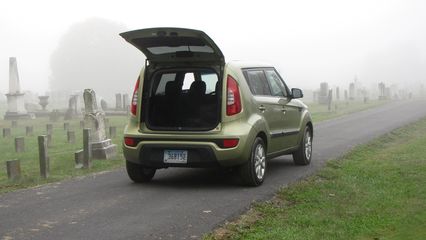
(308, 41)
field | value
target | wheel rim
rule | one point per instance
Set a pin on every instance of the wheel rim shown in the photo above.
(259, 161)
(308, 145)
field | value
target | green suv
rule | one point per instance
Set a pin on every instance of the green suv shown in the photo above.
(191, 109)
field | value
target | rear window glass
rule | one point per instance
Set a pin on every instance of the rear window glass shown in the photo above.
(183, 81)
(257, 82)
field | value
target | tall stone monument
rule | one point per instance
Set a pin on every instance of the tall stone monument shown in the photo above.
(102, 148)
(15, 99)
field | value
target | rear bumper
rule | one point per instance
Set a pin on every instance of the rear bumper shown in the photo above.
(152, 155)
(200, 154)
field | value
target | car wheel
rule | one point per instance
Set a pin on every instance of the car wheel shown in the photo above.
(138, 173)
(253, 171)
(304, 154)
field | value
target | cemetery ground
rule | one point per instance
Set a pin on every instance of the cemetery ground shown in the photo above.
(61, 153)
(376, 191)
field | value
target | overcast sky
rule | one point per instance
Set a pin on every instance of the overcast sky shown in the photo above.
(308, 41)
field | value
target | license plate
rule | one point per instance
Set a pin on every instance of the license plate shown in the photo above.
(175, 156)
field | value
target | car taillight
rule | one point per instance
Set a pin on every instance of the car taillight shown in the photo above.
(233, 99)
(131, 142)
(230, 143)
(134, 104)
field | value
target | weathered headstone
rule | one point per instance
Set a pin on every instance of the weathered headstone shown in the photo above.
(101, 147)
(118, 103)
(6, 132)
(352, 91)
(43, 156)
(126, 102)
(87, 152)
(72, 108)
(71, 137)
(49, 140)
(29, 130)
(13, 168)
(337, 93)
(14, 123)
(78, 158)
(49, 128)
(66, 126)
(330, 99)
(323, 94)
(15, 98)
(112, 131)
(19, 144)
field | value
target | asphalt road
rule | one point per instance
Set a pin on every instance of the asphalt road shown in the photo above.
(178, 203)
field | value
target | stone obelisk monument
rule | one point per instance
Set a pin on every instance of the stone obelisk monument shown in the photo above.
(15, 99)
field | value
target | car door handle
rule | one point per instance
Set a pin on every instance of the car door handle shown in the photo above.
(262, 108)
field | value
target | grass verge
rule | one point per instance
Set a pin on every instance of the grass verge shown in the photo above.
(377, 191)
(320, 112)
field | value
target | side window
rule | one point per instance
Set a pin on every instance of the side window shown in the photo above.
(211, 81)
(165, 78)
(257, 82)
(189, 78)
(277, 86)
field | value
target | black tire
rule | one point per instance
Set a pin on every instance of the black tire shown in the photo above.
(248, 172)
(138, 173)
(303, 156)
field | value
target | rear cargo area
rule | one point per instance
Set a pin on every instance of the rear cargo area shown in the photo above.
(183, 99)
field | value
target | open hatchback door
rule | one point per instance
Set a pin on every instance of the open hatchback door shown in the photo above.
(165, 45)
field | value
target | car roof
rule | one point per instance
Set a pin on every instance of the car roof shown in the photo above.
(248, 64)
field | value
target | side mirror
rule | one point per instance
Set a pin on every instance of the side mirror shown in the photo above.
(296, 93)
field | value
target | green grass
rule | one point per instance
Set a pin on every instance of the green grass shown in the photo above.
(320, 112)
(377, 191)
(61, 153)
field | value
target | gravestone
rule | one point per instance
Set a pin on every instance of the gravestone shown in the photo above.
(71, 137)
(78, 158)
(330, 99)
(72, 108)
(43, 156)
(19, 144)
(29, 130)
(112, 132)
(49, 140)
(15, 98)
(323, 93)
(49, 128)
(101, 147)
(126, 103)
(6, 132)
(13, 168)
(66, 126)
(118, 103)
(14, 124)
(337, 93)
(382, 91)
(352, 91)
